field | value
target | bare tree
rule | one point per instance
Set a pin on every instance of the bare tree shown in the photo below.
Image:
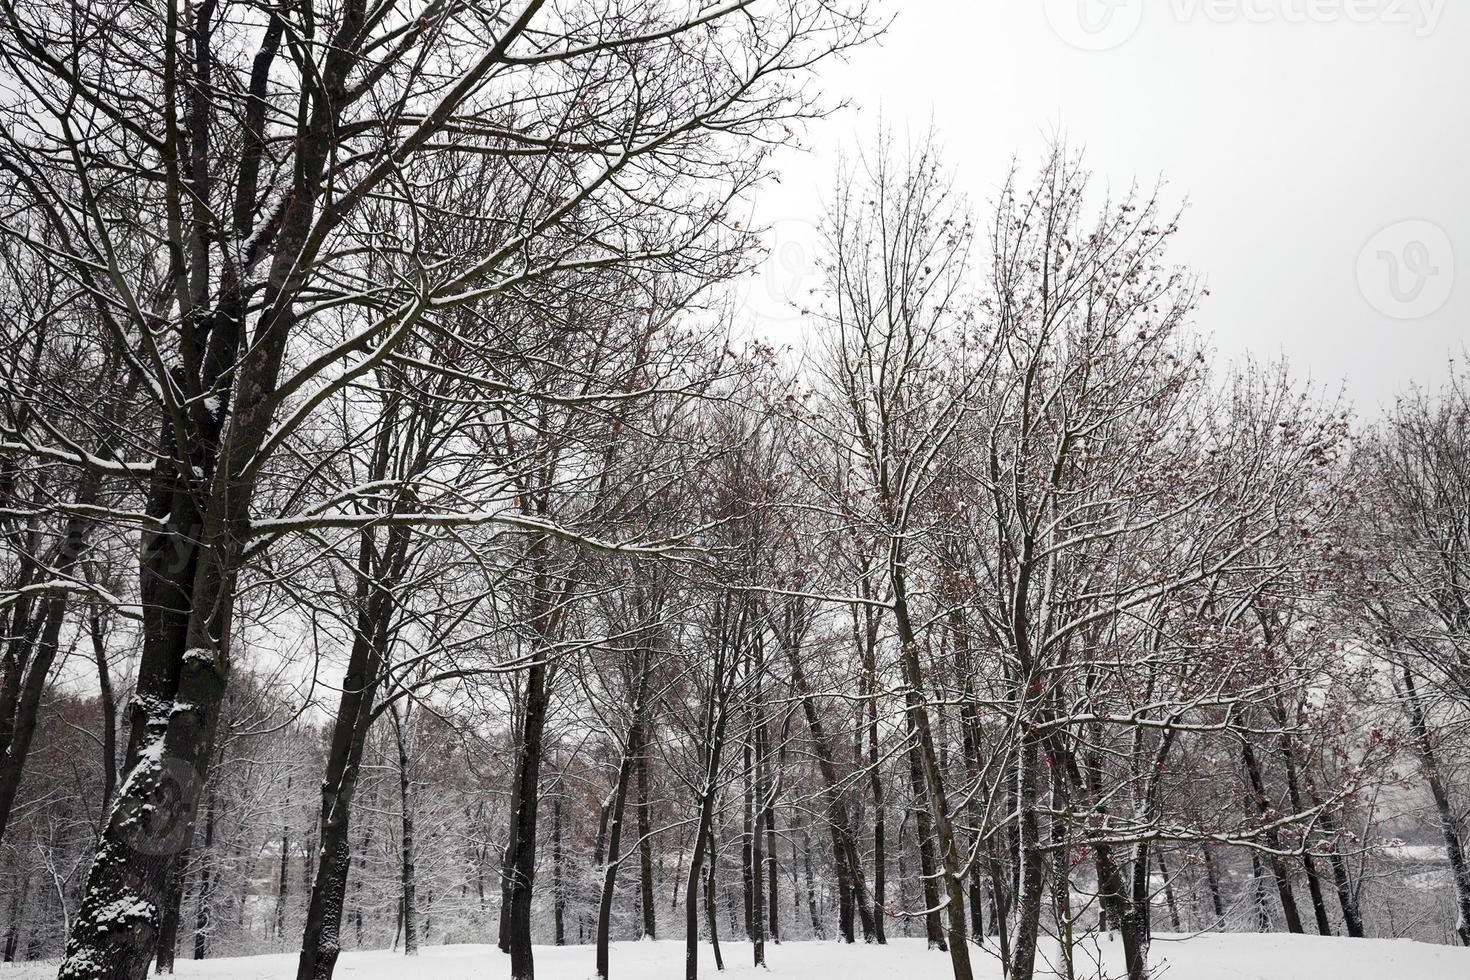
(1422, 610)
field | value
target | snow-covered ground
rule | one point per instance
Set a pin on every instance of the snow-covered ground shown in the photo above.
(1207, 957)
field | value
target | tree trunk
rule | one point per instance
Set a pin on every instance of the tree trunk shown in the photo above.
(1029, 860)
(308, 849)
(321, 939)
(645, 852)
(1140, 906)
(521, 868)
(845, 857)
(200, 493)
(203, 920)
(970, 736)
(711, 912)
(918, 714)
(1448, 824)
(283, 888)
(1314, 892)
(632, 750)
(1061, 890)
(924, 834)
(1352, 916)
(875, 787)
(844, 901)
(1212, 880)
(1279, 870)
(715, 719)
(1169, 900)
(759, 810)
(747, 844)
(26, 667)
(693, 883)
(405, 799)
(109, 710)
(773, 872)
(1118, 904)
(999, 919)
(558, 877)
(599, 849)
(115, 932)
(244, 901)
(17, 911)
(168, 923)
(811, 890)
(1258, 882)
(1293, 789)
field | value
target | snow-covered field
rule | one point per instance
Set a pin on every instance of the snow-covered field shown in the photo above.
(1207, 957)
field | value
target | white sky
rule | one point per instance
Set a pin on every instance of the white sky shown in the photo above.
(1318, 142)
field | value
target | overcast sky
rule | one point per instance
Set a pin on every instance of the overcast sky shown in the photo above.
(1321, 146)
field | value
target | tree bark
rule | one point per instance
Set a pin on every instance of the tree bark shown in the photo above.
(845, 856)
(970, 748)
(521, 863)
(558, 877)
(168, 925)
(1000, 915)
(321, 939)
(757, 849)
(203, 919)
(409, 895)
(1448, 824)
(1352, 915)
(1258, 882)
(918, 713)
(109, 709)
(811, 890)
(747, 844)
(875, 786)
(1294, 793)
(692, 883)
(645, 852)
(632, 751)
(1029, 861)
(1169, 900)
(1212, 880)
(773, 871)
(711, 912)
(283, 887)
(17, 911)
(924, 835)
(1279, 870)
(716, 717)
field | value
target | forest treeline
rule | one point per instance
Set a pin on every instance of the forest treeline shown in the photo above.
(400, 547)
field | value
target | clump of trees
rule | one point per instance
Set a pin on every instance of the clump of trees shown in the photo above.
(400, 548)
